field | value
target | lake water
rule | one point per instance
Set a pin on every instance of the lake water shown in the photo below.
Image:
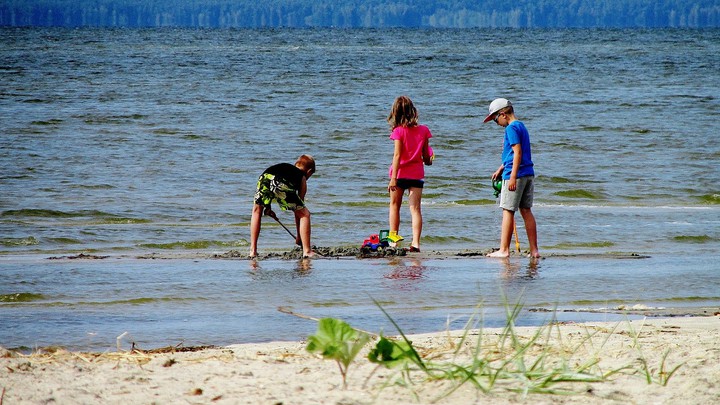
(128, 142)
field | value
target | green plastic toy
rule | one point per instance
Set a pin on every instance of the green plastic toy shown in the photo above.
(497, 186)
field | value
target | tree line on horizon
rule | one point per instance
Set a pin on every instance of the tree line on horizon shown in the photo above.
(361, 13)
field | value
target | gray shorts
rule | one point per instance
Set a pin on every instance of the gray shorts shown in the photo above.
(522, 197)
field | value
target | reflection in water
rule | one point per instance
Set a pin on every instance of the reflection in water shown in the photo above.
(514, 271)
(304, 267)
(407, 271)
(301, 268)
(533, 267)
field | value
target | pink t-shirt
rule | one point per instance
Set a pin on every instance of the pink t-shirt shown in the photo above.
(411, 155)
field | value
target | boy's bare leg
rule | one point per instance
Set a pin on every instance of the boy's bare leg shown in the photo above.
(255, 222)
(395, 203)
(416, 214)
(302, 219)
(531, 230)
(505, 235)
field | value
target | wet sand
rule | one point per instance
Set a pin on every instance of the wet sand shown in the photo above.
(346, 252)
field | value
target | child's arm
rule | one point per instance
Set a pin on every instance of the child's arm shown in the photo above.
(301, 194)
(269, 212)
(498, 172)
(428, 153)
(395, 164)
(517, 157)
(303, 189)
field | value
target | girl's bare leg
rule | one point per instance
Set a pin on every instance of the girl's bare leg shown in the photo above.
(395, 203)
(416, 214)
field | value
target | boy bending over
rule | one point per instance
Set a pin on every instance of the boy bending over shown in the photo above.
(286, 184)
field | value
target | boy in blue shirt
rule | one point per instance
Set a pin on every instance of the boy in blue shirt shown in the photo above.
(518, 177)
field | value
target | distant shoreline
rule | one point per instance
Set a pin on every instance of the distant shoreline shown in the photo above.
(361, 14)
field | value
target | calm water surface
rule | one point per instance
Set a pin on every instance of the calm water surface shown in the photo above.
(86, 305)
(125, 142)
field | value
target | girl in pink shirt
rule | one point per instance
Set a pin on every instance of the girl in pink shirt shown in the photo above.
(407, 172)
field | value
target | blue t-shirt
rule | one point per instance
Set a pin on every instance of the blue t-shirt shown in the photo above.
(516, 133)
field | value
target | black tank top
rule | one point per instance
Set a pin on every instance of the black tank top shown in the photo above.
(291, 175)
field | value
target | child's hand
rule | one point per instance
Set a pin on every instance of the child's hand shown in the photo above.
(269, 212)
(392, 185)
(428, 156)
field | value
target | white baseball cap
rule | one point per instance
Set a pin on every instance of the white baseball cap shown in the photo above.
(497, 105)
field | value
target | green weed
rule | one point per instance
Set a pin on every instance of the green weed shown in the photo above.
(538, 364)
(336, 340)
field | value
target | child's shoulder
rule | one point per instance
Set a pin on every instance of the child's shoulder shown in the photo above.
(419, 128)
(409, 131)
(425, 130)
(517, 125)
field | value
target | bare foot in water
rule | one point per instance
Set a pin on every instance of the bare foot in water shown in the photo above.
(310, 255)
(534, 255)
(498, 253)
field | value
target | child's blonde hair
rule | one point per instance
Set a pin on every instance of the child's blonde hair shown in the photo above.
(306, 163)
(403, 113)
(506, 110)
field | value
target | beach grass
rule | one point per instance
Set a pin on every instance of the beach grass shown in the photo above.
(540, 363)
(660, 375)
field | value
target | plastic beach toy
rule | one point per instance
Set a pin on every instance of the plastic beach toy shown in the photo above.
(375, 242)
(497, 186)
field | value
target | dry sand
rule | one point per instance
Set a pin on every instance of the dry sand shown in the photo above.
(285, 373)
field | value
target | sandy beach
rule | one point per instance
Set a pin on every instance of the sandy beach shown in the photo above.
(625, 354)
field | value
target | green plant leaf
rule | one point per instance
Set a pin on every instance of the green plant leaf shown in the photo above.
(391, 353)
(415, 356)
(336, 340)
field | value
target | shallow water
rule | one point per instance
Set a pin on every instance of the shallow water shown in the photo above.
(88, 304)
(126, 142)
